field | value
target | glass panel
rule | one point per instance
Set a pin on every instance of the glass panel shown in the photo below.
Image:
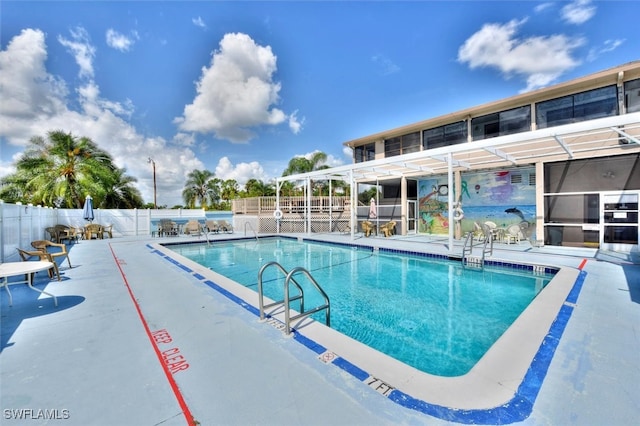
(621, 217)
(392, 147)
(595, 104)
(587, 105)
(433, 138)
(364, 153)
(572, 208)
(632, 95)
(411, 143)
(487, 126)
(621, 234)
(450, 134)
(455, 133)
(515, 120)
(554, 112)
(370, 152)
(572, 236)
(593, 174)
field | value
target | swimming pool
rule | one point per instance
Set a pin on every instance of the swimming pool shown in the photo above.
(428, 312)
(500, 388)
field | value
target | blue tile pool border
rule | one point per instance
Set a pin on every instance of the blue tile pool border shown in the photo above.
(515, 410)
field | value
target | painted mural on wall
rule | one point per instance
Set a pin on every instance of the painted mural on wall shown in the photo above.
(504, 197)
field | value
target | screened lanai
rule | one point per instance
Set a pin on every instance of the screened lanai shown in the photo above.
(603, 137)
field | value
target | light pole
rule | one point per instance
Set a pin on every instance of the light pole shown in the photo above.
(155, 203)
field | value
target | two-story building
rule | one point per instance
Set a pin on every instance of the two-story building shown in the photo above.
(560, 162)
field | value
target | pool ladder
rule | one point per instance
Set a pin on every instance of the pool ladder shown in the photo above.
(251, 227)
(468, 260)
(286, 302)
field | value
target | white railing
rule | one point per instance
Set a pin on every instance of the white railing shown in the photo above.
(21, 224)
(266, 205)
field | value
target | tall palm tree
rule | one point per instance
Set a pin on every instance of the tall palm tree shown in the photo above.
(304, 165)
(60, 170)
(197, 188)
(120, 192)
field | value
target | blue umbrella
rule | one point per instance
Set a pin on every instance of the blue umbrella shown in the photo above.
(87, 212)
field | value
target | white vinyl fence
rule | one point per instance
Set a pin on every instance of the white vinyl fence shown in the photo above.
(21, 224)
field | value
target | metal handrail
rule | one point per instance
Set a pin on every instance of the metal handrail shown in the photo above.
(466, 250)
(326, 306)
(250, 226)
(488, 240)
(262, 306)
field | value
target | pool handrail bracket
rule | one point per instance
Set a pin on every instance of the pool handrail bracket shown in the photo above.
(468, 260)
(261, 304)
(255, 234)
(326, 307)
(286, 302)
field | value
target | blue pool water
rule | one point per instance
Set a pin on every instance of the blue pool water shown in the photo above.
(430, 313)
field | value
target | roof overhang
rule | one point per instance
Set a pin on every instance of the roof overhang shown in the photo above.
(593, 138)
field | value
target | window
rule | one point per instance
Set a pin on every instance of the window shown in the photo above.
(501, 123)
(450, 134)
(579, 107)
(364, 152)
(632, 95)
(402, 144)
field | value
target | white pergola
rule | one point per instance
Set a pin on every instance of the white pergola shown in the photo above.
(593, 138)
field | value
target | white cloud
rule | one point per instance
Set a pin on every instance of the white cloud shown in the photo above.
(542, 7)
(578, 12)
(198, 22)
(348, 153)
(608, 46)
(540, 60)
(120, 41)
(240, 172)
(82, 50)
(236, 93)
(384, 64)
(35, 102)
(28, 92)
(294, 124)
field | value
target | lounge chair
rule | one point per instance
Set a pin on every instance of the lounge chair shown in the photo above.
(46, 246)
(367, 228)
(193, 227)
(107, 230)
(225, 226)
(389, 228)
(513, 234)
(212, 226)
(91, 230)
(168, 227)
(26, 255)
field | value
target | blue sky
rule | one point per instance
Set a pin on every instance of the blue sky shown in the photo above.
(240, 88)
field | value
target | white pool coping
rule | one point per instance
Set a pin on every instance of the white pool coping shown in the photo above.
(493, 382)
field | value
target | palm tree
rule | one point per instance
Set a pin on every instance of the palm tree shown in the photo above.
(257, 188)
(60, 170)
(304, 165)
(120, 193)
(199, 188)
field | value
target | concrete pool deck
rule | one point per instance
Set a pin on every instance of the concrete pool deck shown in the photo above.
(137, 340)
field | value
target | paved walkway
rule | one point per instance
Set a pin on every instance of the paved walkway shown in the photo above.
(136, 340)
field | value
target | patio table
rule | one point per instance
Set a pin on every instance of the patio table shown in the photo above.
(12, 269)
